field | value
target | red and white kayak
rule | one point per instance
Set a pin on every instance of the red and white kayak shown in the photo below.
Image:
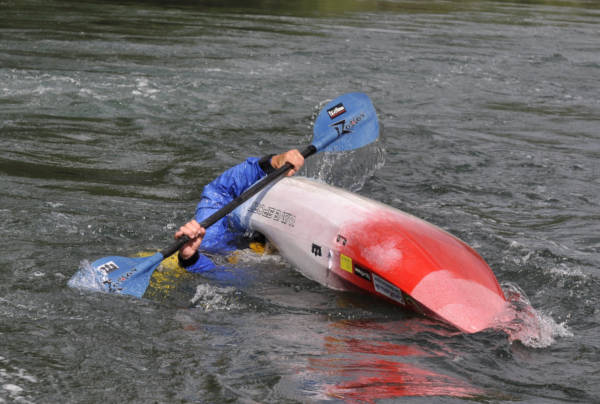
(346, 241)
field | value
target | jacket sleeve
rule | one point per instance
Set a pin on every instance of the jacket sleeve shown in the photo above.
(220, 238)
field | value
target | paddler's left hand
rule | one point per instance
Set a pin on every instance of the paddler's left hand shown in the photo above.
(294, 157)
(195, 232)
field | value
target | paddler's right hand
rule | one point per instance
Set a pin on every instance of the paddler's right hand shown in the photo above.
(195, 232)
(294, 157)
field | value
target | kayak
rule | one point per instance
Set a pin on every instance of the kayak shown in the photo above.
(347, 242)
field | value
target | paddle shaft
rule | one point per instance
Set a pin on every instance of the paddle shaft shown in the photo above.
(249, 193)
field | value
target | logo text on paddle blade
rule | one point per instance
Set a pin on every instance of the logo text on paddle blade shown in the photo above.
(336, 110)
(108, 267)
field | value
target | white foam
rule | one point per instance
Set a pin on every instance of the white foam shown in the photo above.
(143, 88)
(565, 271)
(9, 377)
(523, 323)
(88, 278)
(213, 298)
(248, 256)
(13, 389)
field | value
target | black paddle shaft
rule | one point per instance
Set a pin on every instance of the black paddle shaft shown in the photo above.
(249, 193)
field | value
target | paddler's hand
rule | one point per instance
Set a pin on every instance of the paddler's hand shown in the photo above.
(195, 232)
(294, 157)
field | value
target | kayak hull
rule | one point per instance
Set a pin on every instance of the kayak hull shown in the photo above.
(345, 241)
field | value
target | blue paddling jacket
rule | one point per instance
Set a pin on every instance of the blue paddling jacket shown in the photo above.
(223, 236)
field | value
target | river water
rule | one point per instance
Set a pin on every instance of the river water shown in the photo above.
(113, 115)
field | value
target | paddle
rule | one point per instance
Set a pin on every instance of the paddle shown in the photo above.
(346, 123)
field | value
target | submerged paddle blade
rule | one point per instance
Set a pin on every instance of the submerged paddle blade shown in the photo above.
(122, 275)
(346, 123)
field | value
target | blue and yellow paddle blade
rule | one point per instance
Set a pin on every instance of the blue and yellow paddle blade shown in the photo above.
(346, 123)
(122, 275)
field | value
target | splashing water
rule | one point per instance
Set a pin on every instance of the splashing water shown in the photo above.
(525, 324)
(15, 382)
(88, 278)
(256, 254)
(350, 169)
(212, 298)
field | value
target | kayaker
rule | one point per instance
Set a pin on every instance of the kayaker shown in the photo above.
(222, 237)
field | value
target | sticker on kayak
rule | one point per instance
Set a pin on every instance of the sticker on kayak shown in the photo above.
(346, 263)
(316, 250)
(336, 110)
(363, 273)
(272, 213)
(387, 289)
(341, 239)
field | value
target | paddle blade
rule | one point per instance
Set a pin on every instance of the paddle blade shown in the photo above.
(346, 123)
(122, 275)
